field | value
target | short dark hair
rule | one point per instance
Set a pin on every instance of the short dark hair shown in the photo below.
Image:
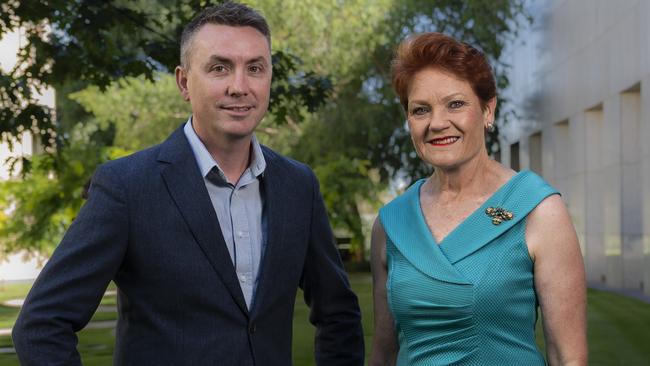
(439, 51)
(227, 13)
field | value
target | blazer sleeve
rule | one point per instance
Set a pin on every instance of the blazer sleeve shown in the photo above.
(334, 308)
(68, 290)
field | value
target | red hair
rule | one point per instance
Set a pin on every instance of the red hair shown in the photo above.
(442, 52)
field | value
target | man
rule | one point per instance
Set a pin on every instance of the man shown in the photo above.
(207, 236)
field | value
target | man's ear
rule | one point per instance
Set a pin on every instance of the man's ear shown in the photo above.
(181, 82)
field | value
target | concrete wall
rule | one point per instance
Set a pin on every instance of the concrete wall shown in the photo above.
(581, 84)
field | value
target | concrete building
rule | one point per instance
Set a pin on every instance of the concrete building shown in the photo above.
(580, 83)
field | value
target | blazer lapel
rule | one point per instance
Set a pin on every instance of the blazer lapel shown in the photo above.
(274, 255)
(187, 188)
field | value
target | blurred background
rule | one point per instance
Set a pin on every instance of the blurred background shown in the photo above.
(83, 82)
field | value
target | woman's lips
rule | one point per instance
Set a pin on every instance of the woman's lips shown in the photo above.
(444, 141)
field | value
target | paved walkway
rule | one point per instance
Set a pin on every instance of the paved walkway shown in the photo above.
(102, 324)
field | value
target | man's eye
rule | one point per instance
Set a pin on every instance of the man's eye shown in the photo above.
(255, 69)
(218, 68)
(456, 104)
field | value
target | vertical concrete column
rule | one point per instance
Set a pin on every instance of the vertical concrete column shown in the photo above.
(535, 153)
(560, 150)
(549, 155)
(594, 202)
(644, 125)
(611, 175)
(524, 153)
(631, 191)
(505, 151)
(577, 181)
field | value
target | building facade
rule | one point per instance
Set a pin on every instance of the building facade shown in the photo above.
(580, 86)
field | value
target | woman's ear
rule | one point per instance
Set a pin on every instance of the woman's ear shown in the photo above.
(488, 112)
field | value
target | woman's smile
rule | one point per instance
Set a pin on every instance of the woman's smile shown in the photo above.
(444, 141)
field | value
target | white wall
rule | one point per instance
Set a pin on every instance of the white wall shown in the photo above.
(581, 82)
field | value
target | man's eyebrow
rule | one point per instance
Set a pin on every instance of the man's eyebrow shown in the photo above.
(219, 59)
(214, 59)
(257, 59)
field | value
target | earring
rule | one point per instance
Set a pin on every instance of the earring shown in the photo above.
(490, 127)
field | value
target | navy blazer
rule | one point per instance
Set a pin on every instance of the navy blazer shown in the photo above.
(149, 226)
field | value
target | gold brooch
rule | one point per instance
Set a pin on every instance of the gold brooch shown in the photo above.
(499, 214)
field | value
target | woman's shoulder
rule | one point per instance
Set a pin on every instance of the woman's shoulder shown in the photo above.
(550, 215)
(528, 186)
(526, 180)
(550, 212)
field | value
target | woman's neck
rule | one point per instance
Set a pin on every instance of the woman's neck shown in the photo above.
(476, 178)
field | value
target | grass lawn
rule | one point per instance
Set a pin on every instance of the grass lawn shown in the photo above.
(619, 328)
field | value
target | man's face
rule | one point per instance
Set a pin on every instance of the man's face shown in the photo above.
(228, 82)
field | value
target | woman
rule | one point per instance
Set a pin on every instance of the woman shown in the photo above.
(462, 259)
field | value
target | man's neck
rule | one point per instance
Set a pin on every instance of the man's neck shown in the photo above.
(233, 157)
(231, 153)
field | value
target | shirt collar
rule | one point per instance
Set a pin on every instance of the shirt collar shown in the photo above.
(206, 162)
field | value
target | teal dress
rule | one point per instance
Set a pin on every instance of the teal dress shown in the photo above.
(470, 299)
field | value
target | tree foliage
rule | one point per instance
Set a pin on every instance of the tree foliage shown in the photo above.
(143, 112)
(332, 104)
(363, 123)
(97, 42)
(364, 104)
(39, 208)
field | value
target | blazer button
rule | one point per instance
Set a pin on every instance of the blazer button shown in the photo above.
(251, 328)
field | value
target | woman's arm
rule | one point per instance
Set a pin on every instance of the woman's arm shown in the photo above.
(384, 341)
(559, 281)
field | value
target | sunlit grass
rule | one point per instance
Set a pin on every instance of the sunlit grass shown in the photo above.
(303, 331)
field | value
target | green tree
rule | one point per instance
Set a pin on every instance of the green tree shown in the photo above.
(148, 110)
(97, 42)
(361, 129)
(72, 45)
(356, 142)
(363, 103)
(39, 208)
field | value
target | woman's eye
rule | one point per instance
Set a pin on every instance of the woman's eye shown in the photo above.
(456, 104)
(418, 111)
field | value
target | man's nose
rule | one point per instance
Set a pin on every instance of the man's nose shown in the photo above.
(238, 84)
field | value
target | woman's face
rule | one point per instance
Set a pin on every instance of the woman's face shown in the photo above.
(446, 120)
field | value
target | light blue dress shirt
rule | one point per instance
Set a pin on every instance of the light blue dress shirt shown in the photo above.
(238, 207)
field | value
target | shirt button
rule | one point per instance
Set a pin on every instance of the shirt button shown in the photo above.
(242, 278)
